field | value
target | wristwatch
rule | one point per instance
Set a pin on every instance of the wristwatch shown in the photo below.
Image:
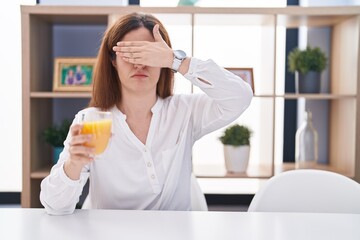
(179, 56)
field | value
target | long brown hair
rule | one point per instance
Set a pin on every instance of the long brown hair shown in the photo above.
(106, 84)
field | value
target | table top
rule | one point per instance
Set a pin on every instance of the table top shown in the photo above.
(171, 225)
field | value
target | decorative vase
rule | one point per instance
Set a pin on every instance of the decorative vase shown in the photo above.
(236, 158)
(306, 151)
(307, 82)
(56, 153)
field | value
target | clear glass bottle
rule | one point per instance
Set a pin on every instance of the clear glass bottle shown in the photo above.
(306, 150)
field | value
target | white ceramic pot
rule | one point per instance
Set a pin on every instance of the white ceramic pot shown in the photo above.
(236, 158)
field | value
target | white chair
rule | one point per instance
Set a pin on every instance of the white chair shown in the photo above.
(308, 191)
(198, 201)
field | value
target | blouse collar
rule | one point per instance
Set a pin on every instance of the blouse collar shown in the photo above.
(155, 109)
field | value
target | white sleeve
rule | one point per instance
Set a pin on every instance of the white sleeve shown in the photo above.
(59, 194)
(227, 96)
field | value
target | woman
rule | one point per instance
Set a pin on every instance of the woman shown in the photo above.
(148, 163)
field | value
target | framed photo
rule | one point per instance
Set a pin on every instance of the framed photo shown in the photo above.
(246, 74)
(73, 74)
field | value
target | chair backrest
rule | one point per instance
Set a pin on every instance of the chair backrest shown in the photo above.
(198, 201)
(308, 191)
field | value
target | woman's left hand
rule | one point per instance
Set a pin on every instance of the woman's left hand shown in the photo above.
(152, 54)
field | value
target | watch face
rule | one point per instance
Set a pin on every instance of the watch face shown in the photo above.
(179, 54)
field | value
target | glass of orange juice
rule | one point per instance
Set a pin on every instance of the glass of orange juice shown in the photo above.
(98, 124)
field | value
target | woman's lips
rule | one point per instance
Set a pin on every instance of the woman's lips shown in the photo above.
(139, 75)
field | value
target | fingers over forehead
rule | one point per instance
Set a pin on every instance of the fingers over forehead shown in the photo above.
(127, 49)
(131, 44)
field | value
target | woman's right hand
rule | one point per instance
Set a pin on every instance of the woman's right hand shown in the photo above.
(80, 155)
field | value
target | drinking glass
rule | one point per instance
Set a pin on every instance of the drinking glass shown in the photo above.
(98, 124)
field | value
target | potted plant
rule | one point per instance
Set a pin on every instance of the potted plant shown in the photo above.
(55, 136)
(236, 140)
(307, 65)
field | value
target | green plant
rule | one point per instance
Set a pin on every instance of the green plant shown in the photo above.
(310, 59)
(56, 135)
(236, 135)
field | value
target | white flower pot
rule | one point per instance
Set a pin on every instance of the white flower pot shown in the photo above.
(236, 158)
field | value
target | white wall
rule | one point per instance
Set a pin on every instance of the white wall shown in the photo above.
(10, 96)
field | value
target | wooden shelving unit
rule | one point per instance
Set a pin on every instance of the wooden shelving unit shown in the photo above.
(259, 171)
(309, 96)
(39, 102)
(40, 173)
(318, 96)
(219, 171)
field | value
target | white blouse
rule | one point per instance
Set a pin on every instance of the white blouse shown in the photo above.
(156, 176)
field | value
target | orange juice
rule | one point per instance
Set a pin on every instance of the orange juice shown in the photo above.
(100, 131)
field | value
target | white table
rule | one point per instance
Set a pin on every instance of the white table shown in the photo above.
(133, 225)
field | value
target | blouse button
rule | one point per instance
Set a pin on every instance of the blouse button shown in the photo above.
(153, 176)
(149, 164)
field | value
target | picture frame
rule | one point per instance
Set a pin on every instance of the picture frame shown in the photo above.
(246, 74)
(73, 74)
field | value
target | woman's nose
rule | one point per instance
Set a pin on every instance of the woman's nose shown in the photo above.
(139, 66)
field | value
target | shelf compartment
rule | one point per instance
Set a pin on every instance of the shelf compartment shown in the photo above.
(209, 150)
(52, 35)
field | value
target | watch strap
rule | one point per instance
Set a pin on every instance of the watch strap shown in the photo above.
(179, 57)
(176, 64)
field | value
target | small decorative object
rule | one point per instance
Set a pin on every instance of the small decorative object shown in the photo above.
(246, 74)
(306, 151)
(73, 74)
(236, 140)
(307, 65)
(55, 136)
